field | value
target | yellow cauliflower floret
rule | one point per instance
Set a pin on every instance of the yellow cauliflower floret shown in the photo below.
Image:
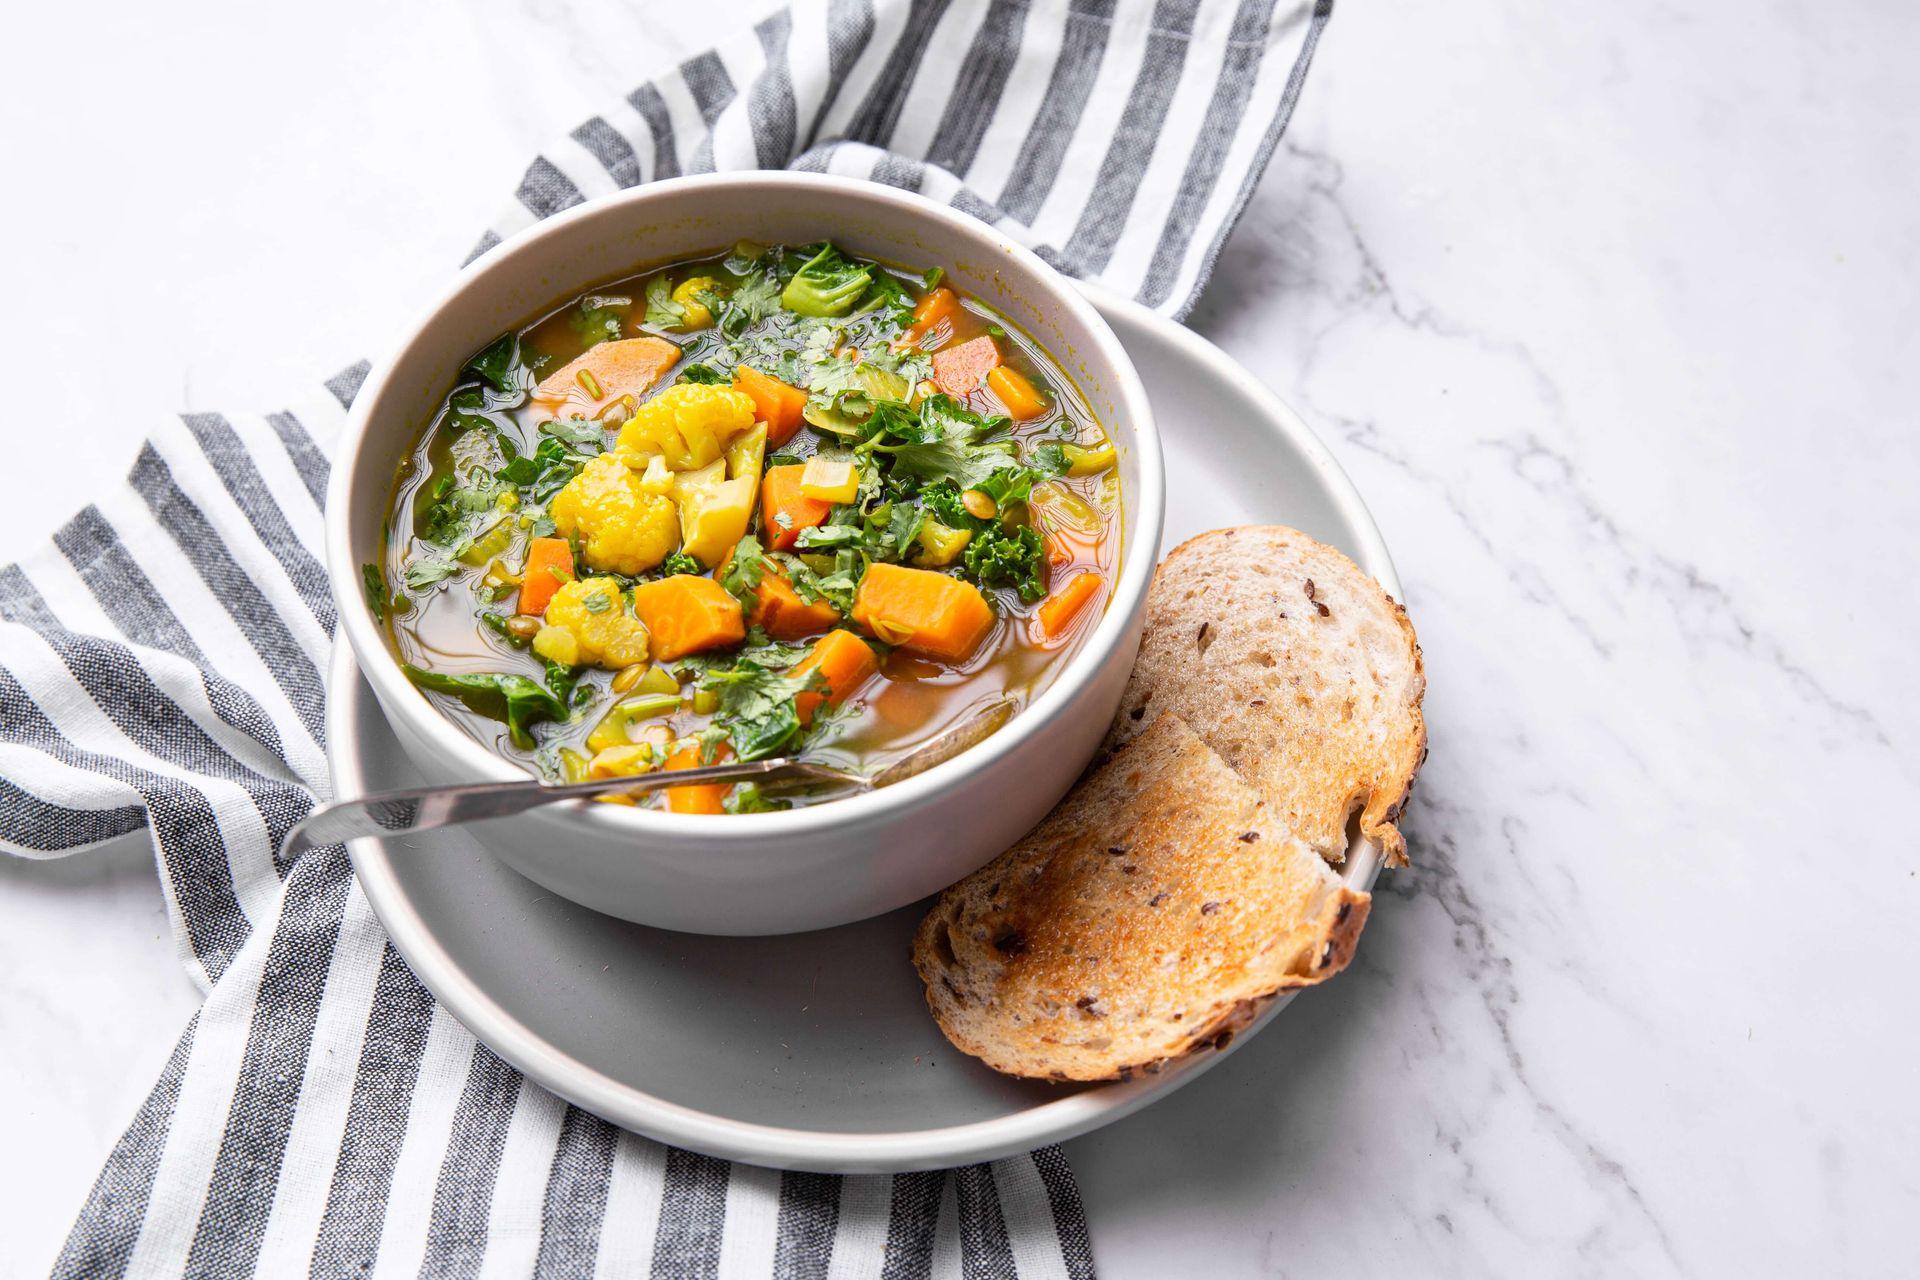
(689, 295)
(689, 424)
(620, 526)
(590, 624)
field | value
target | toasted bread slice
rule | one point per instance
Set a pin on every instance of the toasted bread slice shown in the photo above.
(1297, 668)
(1152, 914)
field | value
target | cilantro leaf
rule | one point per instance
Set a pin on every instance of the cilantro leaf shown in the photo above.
(597, 319)
(951, 458)
(1015, 484)
(942, 415)
(424, 572)
(662, 311)
(752, 301)
(743, 257)
(744, 570)
(448, 519)
(755, 705)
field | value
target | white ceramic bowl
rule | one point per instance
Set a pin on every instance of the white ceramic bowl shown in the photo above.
(830, 863)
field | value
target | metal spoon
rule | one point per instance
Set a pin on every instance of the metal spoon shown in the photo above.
(390, 813)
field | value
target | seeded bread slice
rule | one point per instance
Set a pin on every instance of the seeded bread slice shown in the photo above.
(1153, 913)
(1297, 668)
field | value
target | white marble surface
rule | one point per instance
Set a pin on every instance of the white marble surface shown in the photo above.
(1610, 311)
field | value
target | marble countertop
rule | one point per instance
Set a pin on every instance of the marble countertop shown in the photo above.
(1610, 312)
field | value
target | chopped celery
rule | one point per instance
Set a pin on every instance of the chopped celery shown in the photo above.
(489, 544)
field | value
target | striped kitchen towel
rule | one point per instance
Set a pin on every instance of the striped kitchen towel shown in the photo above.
(161, 664)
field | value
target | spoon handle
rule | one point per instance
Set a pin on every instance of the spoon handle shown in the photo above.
(391, 813)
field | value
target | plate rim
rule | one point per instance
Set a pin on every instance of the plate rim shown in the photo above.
(824, 1150)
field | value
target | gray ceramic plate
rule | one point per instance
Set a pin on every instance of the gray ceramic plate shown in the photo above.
(810, 1051)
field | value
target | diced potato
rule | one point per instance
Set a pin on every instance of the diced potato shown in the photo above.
(657, 680)
(830, 479)
(746, 456)
(714, 511)
(923, 611)
(748, 453)
(940, 545)
(627, 760)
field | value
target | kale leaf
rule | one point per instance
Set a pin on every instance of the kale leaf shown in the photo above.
(828, 284)
(583, 433)
(424, 572)
(995, 556)
(704, 374)
(500, 367)
(888, 291)
(998, 558)
(544, 472)
(519, 701)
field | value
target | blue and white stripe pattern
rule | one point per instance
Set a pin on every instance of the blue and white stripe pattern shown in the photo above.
(161, 661)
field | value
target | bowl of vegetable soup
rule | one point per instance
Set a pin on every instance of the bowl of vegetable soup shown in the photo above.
(738, 467)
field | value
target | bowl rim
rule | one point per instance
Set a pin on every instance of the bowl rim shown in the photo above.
(1140, 552)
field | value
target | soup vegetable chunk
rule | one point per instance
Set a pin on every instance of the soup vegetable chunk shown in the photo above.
(772, 500)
